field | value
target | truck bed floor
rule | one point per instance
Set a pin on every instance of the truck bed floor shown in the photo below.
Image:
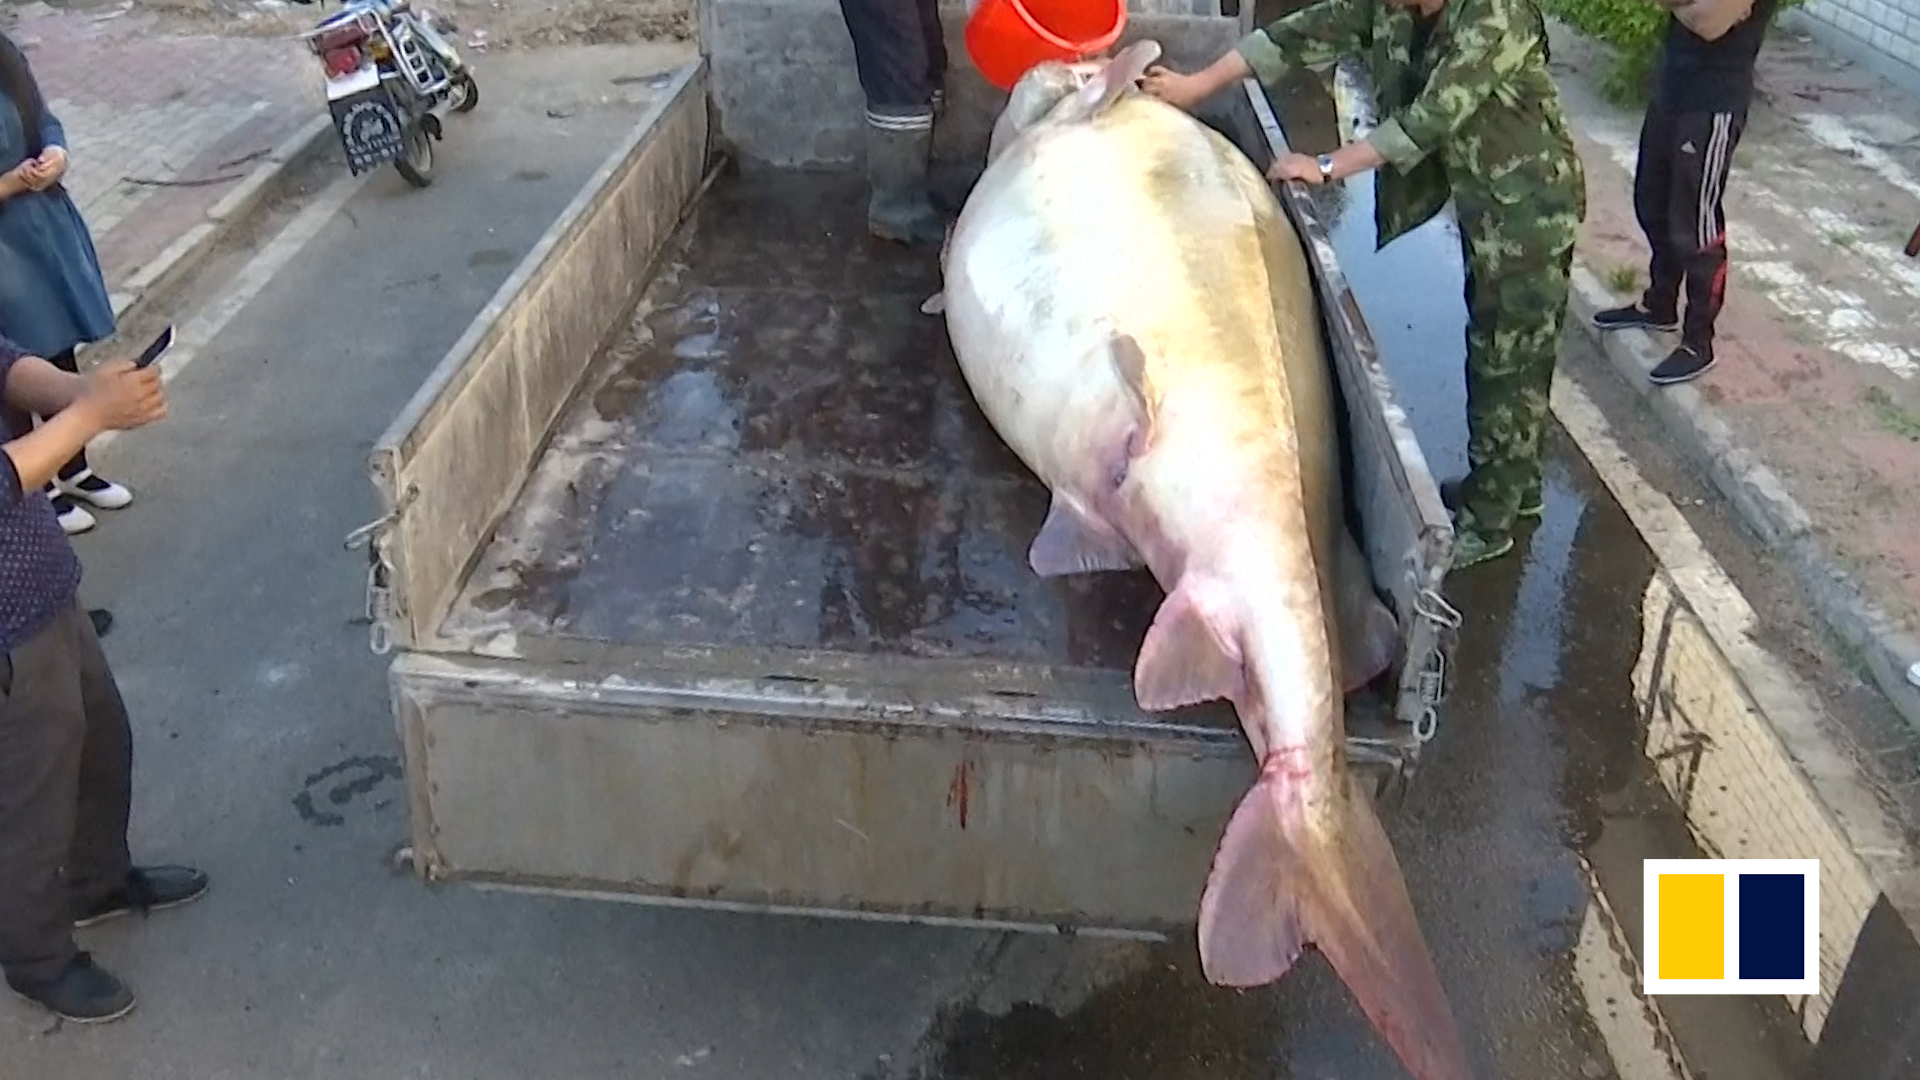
(781, 453)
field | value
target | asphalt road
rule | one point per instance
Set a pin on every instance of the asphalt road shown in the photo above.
(266, 754)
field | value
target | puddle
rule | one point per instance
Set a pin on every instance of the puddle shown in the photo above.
(1161, 1023)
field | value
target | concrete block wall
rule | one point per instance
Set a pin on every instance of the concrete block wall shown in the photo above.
(1882, 35)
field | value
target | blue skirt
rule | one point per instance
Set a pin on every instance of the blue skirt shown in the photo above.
(52, 294)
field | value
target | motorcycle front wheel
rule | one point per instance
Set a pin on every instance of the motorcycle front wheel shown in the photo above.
(415, 164)
(466, 92)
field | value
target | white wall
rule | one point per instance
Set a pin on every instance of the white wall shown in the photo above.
(1883, 35)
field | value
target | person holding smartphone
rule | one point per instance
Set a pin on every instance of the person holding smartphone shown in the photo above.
(53, 298)
(66, 761)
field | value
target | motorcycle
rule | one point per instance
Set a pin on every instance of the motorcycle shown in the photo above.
(389, 71)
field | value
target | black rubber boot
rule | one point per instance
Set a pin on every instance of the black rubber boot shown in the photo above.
(901, 207)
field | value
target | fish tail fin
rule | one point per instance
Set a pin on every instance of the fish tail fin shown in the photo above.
(1281, 881)
(1105, 87)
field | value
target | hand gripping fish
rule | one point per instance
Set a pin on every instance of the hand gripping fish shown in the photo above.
(1133, 311)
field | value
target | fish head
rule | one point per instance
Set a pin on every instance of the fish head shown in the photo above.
(1045, 91)
(1044, 85)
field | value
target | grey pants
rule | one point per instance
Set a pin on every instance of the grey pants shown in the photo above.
(66, 782)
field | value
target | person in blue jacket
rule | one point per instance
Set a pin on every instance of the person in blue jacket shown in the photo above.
(53, 298)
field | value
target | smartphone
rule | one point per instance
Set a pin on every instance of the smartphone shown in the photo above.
(160, 344)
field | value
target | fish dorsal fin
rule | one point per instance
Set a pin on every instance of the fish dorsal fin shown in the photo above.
(1106, 88)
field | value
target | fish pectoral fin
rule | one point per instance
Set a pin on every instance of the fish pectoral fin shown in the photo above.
(934, 305)
(1072, 542)
(1190, 654)
(1283, 879)
(1106, 87)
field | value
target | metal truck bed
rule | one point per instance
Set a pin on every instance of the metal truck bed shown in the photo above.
(709, 581)
(778, 463)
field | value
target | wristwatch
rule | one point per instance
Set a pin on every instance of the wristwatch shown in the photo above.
(1326, 166)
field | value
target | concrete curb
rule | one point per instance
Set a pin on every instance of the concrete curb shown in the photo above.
(1743, 749)
(186, 252)
(1889, 650)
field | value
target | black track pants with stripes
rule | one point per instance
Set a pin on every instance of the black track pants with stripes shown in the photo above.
(1678, 183)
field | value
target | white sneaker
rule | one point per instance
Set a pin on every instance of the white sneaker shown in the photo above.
(73, 517)
(97, 490)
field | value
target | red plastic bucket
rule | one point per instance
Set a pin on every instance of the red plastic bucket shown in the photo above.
(1006, 38)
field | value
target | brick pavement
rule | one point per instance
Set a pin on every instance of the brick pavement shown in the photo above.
(142, 104)
(1819, 373)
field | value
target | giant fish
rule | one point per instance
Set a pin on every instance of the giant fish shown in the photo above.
(1133, 312)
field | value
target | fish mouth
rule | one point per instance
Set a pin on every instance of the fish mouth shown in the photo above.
(1077, 73)
(1083, 71)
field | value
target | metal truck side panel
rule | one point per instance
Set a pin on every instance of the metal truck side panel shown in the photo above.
(452, 462)
(1408, 534)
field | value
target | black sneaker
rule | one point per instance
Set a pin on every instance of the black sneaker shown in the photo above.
(1633, 317)
(1684, 363)
(148, 889)
(83, 993)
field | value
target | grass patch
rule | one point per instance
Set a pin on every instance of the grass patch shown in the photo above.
(1624, 280)
(1893, 419)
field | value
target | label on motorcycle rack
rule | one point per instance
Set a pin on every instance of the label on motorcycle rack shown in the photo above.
(369, 127)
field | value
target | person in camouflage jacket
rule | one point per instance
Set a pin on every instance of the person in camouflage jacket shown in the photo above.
(1472, 114)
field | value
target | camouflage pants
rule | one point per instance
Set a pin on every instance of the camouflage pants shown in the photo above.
(1517, 278)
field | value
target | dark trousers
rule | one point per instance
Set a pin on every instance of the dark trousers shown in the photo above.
(66, 781)
(1678, 183)
(900, 52)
